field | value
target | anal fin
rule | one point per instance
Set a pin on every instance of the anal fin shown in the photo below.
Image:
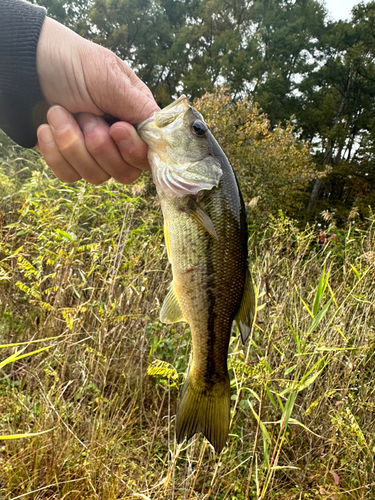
(245, 315)
(171, 310)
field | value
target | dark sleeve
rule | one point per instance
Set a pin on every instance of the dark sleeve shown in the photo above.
(22, 107)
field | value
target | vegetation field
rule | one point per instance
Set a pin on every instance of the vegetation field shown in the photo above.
(289, 56)
(89, 377)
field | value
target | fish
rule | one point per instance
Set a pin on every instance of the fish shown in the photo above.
(205, 230)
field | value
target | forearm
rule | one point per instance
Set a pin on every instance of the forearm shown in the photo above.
(44, 64)
(22, 107)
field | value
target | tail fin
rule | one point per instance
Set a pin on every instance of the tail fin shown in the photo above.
(204, 409)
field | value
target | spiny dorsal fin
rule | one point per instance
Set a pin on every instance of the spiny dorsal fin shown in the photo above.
(171, 310)
(198, 214)
(245, 315)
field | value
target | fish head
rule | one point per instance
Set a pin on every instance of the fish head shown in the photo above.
(179, 150)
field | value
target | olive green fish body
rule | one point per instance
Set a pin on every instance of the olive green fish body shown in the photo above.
(209, 274)
(206, 234)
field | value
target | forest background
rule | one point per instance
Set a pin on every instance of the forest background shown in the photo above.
(286, 56)
(89, 374)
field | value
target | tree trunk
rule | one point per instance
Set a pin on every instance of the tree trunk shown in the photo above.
(328, 154)
(314, 195)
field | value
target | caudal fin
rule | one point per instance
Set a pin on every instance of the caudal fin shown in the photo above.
(204, 409)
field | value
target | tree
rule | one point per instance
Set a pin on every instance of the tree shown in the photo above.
(273, 166)
(337, 115)
(191, 46)
(71, 13)
(288, 47)
(280, 53)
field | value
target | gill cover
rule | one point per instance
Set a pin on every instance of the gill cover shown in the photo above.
(179, 151)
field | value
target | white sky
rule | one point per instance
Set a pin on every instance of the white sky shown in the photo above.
(340, 9)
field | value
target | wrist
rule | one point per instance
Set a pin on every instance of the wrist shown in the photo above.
(59, 66)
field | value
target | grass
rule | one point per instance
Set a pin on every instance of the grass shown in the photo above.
(83, 273)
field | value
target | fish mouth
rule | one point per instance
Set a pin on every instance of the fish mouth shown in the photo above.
(174, 103)
(151, 130)
(165, 116)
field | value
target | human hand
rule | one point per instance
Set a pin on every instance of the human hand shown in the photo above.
(84, 82)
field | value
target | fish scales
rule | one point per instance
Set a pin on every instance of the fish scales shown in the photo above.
(206, 234)
(217, 269)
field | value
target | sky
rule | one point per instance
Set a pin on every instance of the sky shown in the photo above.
(340, 9)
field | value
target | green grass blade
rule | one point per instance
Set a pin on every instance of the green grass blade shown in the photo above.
(318, 318)
(16, 356)
(320, 291)
(27, 435)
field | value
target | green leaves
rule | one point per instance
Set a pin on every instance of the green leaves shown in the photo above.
(320, 291)
(266, 162)
(160, 368)
(26, 435)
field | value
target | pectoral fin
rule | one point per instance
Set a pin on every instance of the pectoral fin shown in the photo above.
(245, 315)
(171, 310)
(198, 214)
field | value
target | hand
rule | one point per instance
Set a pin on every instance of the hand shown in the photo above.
(83, 82)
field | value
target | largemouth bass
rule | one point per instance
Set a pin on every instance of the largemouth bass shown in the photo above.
(206, 237)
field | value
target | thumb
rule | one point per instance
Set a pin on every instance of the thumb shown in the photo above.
(122, 94)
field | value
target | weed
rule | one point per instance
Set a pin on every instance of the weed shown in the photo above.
(83, 273)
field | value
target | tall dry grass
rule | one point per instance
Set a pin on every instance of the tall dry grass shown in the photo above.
(85, 268)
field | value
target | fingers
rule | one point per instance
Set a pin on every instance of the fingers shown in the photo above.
(68, 151)
(52, 156)
(133, 150)
(123, 161)
(87, 147)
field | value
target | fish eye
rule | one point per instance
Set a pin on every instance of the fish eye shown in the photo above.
(198, 128)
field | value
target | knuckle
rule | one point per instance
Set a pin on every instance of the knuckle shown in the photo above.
(68, 141)
(96, 143)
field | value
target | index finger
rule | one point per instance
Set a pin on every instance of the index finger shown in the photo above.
(132, 149)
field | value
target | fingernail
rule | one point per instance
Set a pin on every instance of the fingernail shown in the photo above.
(120, 135)
(58, 118)
(45, 135)
(127, 144)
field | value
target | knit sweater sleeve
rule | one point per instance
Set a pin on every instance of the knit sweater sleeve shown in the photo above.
(22, 107)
